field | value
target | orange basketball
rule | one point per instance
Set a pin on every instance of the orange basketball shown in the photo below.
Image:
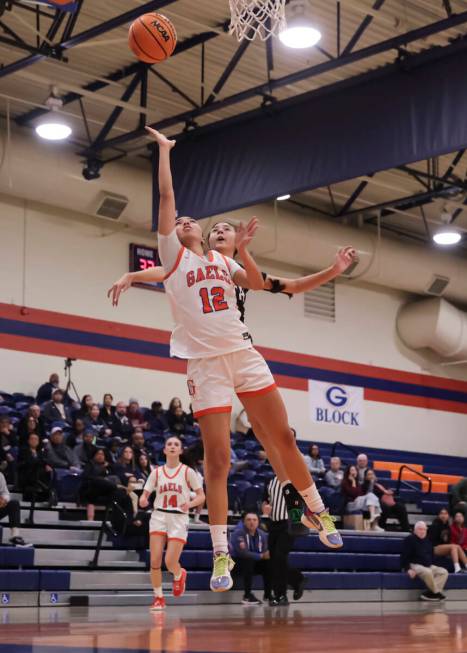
(152, 37)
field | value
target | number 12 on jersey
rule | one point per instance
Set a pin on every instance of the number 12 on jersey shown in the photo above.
(215, 302)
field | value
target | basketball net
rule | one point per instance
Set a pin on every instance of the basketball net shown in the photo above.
(257, 18)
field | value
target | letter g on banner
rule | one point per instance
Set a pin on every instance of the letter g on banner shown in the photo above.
(336, 396)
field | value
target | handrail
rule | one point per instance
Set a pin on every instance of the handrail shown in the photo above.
(345, 446)
(415, 471)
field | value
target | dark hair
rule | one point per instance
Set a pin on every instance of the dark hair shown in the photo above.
(156, 404)
(250, 512)
(172, 401)
(83, 402)
(107, 394)
(313, 444)
(347, 470)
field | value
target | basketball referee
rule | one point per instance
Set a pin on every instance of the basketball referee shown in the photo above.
(280, 545)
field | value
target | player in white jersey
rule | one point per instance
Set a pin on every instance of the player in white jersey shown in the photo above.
(173, 484)
(221, 237)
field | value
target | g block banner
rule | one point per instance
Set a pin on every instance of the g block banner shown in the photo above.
(336, 404)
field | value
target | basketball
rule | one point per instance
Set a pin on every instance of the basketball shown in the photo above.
(152, 38)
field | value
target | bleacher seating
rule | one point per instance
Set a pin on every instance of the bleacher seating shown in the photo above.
(64, 543)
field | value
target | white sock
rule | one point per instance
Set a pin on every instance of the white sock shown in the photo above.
(457, 567)
(219, 538)
(313, 499)
(15, 532)
(158, 592)
(179, 575)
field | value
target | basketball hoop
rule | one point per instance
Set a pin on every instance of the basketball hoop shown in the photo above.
(257, 18)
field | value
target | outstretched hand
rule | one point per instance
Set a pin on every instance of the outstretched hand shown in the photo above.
(344, 257)
(244, 234)
(160, 139)
(122, 285)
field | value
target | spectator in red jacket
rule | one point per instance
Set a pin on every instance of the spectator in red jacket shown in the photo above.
(459, 531)
(359, 497)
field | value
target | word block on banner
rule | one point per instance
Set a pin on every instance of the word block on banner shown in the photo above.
(339, 405)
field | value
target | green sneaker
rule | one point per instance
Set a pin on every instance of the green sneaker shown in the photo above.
(324, 524)
(221, 580)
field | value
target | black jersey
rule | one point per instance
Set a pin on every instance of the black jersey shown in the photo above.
(241, 294)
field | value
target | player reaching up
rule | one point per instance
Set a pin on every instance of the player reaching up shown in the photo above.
(222, 237)
(172, 483)
(221, 360)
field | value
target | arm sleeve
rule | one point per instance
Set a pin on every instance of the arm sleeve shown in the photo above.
(169, 250)
(240, 547)
(151, 482)
(194, 480)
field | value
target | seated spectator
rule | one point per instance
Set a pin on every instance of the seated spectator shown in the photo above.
(125, 465)
(10, 508)
(8, 444)
(113, 450)
(315, 463)
(77, 435)
(389, 506)
(334, 475)
(143, 468)
(439, 534)
(249, 549)
(176, 416)
(95, 422)
(55, 410)
(242, 423)
(135, 415)
(138, 444)
(417, 560)
(177, 421)
(121, 425)
(138, 520)
(194, 457)
(85, 451)
(459, 531)
(458, 497)
(100, 484)
(107, 411)
(86, 404)
(359, 498)
(45, 391)
(362, 466)
(156, 419)
(237, 465)
(57, 454)
(25, 425)
(35, 476)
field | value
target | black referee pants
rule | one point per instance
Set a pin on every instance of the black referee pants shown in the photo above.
(280, 545)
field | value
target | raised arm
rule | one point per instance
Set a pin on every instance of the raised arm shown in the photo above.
(344, 257)
(167, 211)
(250, 277)
(151, 275)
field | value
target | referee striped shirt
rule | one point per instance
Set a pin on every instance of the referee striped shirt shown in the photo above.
(277, 501)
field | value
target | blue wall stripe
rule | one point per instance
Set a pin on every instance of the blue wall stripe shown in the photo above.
(144, 347)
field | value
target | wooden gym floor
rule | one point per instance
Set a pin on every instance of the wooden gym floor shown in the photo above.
(366, 628)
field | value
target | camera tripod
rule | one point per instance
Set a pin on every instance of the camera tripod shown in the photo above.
(70, 385)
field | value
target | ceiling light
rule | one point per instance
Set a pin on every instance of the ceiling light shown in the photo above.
(300, 31)
(281, 198)
(52, 126)
(446, 235)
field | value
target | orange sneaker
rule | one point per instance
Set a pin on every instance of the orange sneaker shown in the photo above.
(158, 604)
(178, 586)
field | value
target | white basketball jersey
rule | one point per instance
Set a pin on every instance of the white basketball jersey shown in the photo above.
(172, 486)
(204, 306)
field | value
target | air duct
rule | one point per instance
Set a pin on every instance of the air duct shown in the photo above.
(434, 324)
(52, 174)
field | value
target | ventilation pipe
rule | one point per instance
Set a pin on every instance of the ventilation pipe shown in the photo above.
(52, 174)
(434, 324)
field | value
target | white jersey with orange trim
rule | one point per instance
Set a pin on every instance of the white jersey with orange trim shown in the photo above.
(172, 486)
(203, 301)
